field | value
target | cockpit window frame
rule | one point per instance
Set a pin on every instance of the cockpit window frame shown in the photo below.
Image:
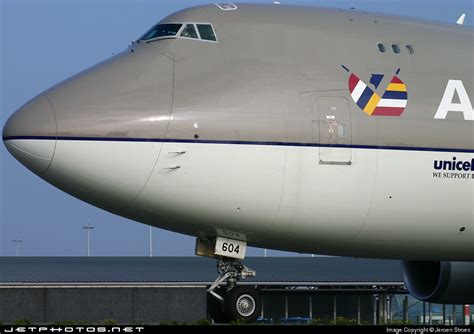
(197, 31)
(185, 26)
(180, 31)
(162, 37)
(213, 32)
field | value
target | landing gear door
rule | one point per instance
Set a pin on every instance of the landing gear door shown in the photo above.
(335, 131)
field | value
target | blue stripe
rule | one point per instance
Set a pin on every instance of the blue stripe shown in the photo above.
(238, 142)
(365, 97)
(390, 94)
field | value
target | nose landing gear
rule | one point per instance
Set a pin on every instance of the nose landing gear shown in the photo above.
(232, 302)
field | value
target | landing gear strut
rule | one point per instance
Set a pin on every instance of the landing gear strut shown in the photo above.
(233, 303)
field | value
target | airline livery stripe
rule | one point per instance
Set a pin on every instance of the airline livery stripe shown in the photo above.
(397, 80)
(382, 111)
(392, 103)
(239, 142)
(353, 81)
(358, 90)
(397, 87)
(365, 97)
(369, 108)
(395, 95)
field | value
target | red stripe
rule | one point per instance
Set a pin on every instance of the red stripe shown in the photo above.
(353, 81)
(396, 79)
(387, 111)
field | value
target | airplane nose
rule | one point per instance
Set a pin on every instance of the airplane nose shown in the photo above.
(30, 134)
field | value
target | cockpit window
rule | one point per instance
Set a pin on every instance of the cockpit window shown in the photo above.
(189, 32)
(185, 30)
(162, 30)
(206, 32)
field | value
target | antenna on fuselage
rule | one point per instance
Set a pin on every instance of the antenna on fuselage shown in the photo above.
(460, 21)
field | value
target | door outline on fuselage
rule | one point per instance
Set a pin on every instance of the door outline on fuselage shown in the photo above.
(334, 135)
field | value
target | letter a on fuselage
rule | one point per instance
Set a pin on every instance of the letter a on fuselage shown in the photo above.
(447, 104)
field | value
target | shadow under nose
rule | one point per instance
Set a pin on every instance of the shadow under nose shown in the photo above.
(30, 135)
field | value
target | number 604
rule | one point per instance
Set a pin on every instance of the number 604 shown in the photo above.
(226, 247)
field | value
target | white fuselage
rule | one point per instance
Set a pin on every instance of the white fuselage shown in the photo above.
(386, 204)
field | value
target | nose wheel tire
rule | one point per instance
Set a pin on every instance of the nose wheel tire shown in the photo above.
(242, 303)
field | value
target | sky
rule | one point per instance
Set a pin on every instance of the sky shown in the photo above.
(46, 41)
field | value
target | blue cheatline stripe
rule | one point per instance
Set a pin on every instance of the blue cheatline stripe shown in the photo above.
(390, 94)
(240, 142)
(365, 97)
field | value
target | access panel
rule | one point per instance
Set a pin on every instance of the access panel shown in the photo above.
(335, 133)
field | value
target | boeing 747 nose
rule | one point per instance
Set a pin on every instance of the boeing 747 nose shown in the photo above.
(301, 129)
(30, 134)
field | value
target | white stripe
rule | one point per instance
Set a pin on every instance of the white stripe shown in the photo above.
(358, 90)
(392, 103)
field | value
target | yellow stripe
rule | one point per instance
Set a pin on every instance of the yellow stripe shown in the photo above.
(397, 87)
(372, 104)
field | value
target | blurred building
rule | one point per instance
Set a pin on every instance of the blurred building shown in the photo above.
(164, 289)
